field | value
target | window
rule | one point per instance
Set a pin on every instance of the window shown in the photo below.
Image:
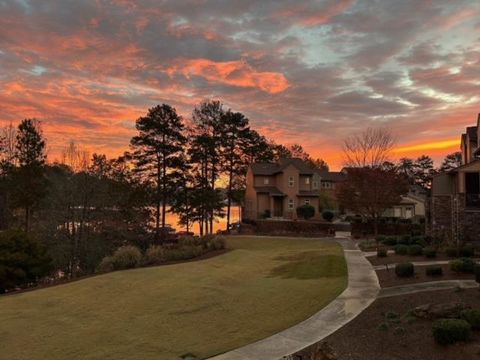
(315, 184)
(266, 181)
(291, 204)
(326, 185)
(307, 201)
(291, 181)
(307, 181)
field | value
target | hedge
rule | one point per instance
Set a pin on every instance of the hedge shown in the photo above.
(449, 331)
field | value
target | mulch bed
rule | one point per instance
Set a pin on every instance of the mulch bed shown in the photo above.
(389, 278)
(372, 336)
(394, 258)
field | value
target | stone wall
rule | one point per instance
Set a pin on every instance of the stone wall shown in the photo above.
(468, 222)
(441, 216)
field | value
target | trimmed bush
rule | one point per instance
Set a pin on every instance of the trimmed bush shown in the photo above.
(449, 331)
(106, 265)
(464, 265)
(467, 251)
(381, 238)
(415, 250)
(419, 240)
(390, 241)
(381, 252)
(306, 211)
(154, 255)
(476, 270)
(404, 269)
(126, 257)
(434, 270)
(472, 316)
(184, 253)
(401, 249)
(405, 240)
(429, 252)
(328, 215)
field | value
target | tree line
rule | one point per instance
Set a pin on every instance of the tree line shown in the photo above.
(83, 206)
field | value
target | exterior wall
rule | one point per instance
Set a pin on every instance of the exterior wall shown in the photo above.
(263, 203)
(259, 180)
(291, 192)
(302, 185)
(441, 215)
(443, 184)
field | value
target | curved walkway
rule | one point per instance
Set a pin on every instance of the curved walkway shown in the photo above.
(426, 286)
(362, 290)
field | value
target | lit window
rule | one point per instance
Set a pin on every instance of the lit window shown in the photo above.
(266, 181)
(291, 181)
(307, 201)
(307, 180)
(291, 204)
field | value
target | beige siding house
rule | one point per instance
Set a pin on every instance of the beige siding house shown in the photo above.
(277, 189)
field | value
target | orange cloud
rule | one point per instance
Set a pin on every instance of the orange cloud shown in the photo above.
(235, 73)
(428, 146)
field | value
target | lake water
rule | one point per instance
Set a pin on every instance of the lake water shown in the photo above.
(218, 224)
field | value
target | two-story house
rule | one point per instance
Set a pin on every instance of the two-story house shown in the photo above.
(277, 189)
(455, 203)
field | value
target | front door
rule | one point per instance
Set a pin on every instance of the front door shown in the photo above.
(277, 206)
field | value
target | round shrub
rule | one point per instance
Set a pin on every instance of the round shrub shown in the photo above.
(405, 240)
(126, 257)
(456, 265)
(467, 251)
(476, 270)
(381, 238)
(404, 269)
(401, 249)
(429, 252)
(434, 270)
(390, 241)
(414, 250)
(419, 240)
(154, 255)
(472, 316)
(381, 252)
(106, 265)
(328, 215)
(449, 331)
(306, 211)
(463, 265)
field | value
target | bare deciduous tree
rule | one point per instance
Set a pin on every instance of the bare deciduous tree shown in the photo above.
(371, 148)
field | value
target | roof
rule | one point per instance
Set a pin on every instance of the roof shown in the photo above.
(272, 190)
(333, 176)
(464, 166)
(275, 168)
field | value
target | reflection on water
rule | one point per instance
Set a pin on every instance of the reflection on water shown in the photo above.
(218, 224)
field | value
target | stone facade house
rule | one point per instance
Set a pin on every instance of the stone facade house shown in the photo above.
(275, 190)
(454, 210)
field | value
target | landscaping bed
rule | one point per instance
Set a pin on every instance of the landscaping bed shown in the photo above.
(388, 278)
(387, 331)
(395, 259)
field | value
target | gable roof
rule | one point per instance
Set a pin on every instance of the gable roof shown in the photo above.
(333, 176)
(275, 168)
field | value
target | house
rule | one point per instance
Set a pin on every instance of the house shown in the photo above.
(329, 183)
(412, 206)
(454, 210)
(277, 189)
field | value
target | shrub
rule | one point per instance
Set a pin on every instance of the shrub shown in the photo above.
(434, 270)
(472, 316)
(404, 240)
(306, 211)
(381, 238)
(419, 240)
(401, 249)
(184, 253)
(429, 252)
(381, 252)
(476, 270)
(217, 243)
(126, 257)
(154, 255)
(390, 241)
(463, 265)
(451, 251)
(106, 265)
(266, 214)
(415, 250)
(449, 331)
(404, 269)
(328, 215)
(467, 251)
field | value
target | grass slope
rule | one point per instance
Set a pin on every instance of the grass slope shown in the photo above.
(263, 286)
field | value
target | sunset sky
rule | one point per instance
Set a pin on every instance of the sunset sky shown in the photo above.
(310, 72)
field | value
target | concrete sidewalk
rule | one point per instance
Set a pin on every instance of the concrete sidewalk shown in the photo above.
(426, 286)
(419, 263)
(362, 290)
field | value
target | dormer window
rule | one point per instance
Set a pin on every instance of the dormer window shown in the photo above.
(291, 181)
(266, 181)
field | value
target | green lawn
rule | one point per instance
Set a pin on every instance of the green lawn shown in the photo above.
(262, 286)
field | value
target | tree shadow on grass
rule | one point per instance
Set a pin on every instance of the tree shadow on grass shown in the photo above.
(310, 265)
